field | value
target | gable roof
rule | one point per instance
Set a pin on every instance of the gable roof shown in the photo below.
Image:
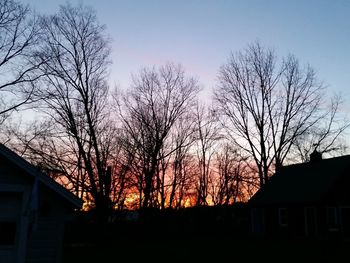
(302, 183)
(36, 173)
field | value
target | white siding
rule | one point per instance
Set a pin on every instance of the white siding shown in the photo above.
(7, 255)
(44, 242)
(10, 210)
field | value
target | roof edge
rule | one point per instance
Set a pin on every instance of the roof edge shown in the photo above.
(36, 173)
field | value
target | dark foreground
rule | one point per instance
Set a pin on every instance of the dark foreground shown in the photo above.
(192, 241)
(210, 250)
(193, 235)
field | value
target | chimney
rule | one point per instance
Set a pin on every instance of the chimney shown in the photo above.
(315, 156)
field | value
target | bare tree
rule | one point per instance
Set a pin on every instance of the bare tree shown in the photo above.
(174, 176)
(75, 56)
(154, 103)
(268, 105)
(181, 174)
(121, 183)
(232, 176)
(207, 135)
(19, 35)
(326, 137)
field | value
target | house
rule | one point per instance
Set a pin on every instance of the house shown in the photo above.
(305, 200)
(33, 208)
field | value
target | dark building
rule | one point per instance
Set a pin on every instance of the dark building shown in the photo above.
(33, 210)
(306, 199)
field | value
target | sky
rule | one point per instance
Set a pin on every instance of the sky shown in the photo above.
(201, 34)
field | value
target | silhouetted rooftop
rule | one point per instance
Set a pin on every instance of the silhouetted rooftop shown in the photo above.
(303, 183)
(35, 173)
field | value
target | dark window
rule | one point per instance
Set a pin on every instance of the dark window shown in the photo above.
(345, 220)
(332, 217)
(283, 216)
(7, 232)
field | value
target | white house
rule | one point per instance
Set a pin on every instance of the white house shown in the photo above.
(33, 209)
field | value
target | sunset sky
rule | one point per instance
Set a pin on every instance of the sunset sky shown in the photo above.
(200, 34)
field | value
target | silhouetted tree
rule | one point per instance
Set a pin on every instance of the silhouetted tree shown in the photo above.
(19, 36)
(326, 137)
(182, 172)
(207, 135)
(232, 178)
(75, 55)
(268, 106)
(154, 103)
(122, 182)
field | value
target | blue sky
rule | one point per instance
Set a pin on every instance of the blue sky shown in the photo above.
(200, 34)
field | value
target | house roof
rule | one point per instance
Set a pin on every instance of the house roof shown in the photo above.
(36, 173)
(302, 183)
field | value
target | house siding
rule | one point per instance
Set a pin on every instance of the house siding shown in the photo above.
(10, 207)
(302, 221)
(309, 221)
(38, 218)
(44, 243)
(46, 235)
(39, 235)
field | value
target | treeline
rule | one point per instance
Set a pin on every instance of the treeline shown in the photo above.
(154, 144)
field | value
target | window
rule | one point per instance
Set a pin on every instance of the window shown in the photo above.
(332, 218)
(7, 233)
(283, 216)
